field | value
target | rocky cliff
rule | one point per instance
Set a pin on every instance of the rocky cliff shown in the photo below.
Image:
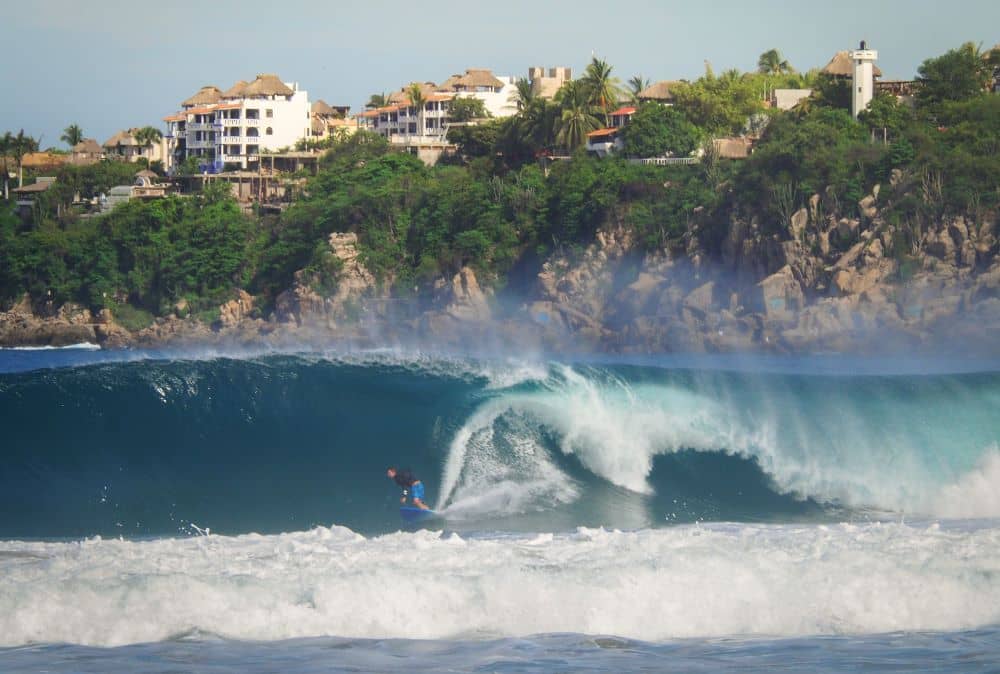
(815, 283)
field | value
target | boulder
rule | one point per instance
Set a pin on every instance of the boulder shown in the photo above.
(779, 296)
(700, 299)
(867, 206)
(467, 302)
(235, 310)
(797, 224)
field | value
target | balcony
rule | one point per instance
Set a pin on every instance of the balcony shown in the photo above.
(251, 122)
(232, 122)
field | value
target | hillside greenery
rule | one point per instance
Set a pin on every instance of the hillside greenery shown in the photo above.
(502, 201)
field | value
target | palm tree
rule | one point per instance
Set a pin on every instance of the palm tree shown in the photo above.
(578, 116)
(636, 84)
(6, 146)
(603, 90)
(72, 135)
(146, 136)
(772, 63)
(523, 94)
(418, 101)
(21, 146)
(376, 101)
(537, 123)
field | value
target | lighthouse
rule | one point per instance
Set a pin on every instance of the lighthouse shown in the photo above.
(862, 77)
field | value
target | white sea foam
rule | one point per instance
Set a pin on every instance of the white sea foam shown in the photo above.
(975, 494)
(888, 454)
(692, 581)
(82, 346)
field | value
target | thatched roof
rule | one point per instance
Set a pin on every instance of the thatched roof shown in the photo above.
(403, 95)
(205, 96)
(658, 91)
(235, 91)
(841, 65)
(146, 173)
(267, 85)
(87, 146)
(477, 77)
(317, 125)
(320, 107)
(121, 138)
(449, 84)
(40, 160)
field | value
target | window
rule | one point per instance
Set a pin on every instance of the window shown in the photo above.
(269, 113)
(269, 131)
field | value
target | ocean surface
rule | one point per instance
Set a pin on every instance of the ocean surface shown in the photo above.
(210, 512)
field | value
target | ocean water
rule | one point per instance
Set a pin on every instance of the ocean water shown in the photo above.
(169, 512)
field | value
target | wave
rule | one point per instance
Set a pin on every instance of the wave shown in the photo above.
(688, 581)
(84, 346)
(923, 445)
(272, 443)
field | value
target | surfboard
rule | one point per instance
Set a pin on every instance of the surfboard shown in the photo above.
(414, 514)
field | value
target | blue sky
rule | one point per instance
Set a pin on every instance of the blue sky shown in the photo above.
(110, 64)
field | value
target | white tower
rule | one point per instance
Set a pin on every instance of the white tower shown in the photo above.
(862, 78)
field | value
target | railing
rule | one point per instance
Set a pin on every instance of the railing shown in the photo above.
(231, 122)
(251, 121)
(665, 161)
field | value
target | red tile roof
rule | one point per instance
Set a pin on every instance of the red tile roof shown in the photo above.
(627, 110)
(602, 132)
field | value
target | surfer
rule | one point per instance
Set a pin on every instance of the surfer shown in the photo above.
(410, 484)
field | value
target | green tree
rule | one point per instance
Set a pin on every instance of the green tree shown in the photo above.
(771, 62)
(656, 130)
(417, 103)
(6, 149)
(636, 83)
(603, 90)
(884, 115)
(465, 109)
(478, 140)
(376, 101)
(956, 75)
(22, 144)
(578, 116)
(523, 94)
(147, 136)
(72, 135)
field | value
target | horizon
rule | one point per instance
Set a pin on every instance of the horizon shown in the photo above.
(110, 64)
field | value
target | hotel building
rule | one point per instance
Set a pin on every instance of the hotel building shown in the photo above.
(229, 129)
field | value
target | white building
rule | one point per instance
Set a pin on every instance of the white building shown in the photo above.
(496, 93)
(862, 78)
(230, 129)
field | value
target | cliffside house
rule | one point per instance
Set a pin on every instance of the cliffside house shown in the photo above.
(496, 93)
(124, 146)
(26, 197)
(229, 129)
(603, 142)
(86, 152)
(326, 120)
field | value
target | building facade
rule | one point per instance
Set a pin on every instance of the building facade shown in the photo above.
(229, 129)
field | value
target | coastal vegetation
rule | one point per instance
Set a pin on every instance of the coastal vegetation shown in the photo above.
(502, 203)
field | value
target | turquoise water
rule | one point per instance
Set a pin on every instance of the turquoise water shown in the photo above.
(674, 514)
